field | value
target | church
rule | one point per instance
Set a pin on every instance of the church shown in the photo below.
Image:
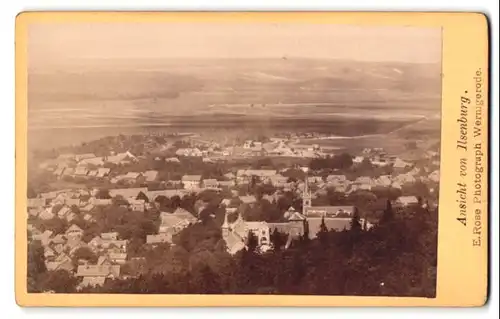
(337, 218)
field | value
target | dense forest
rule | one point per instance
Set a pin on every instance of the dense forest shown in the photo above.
(398, 257)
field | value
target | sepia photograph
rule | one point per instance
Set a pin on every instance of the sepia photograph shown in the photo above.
(265, 158)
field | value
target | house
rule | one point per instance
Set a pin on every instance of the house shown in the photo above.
(35, 211)
(70, 216)
(210, 183)
(248, 144)
(95, 243)
(46, 214)
(48, 253)
(314, 179)
(407, 201)
(137, 205)
(121, 158)
(87, 208)
(103, 172)
(159, 239)
(384, 180)
(118, 257)
(96, 275)
(195, 152)
(61, 262)
(358, 159)
(173, 226)
(191, 181)
(36, 202)
(261, 231)
(172, 160)
(150, 176)
(336, 179)
(396, 185)
(72, 201)
(74, 232)
(65, 210)
(58, 248)
(400, 164)
(131, 177)
(101, 201)
(93, 173)
(110, 236)
(230, 176)
(329, 211)
(92, 282)
(102, 270)
(81, 171)
(115, 245)
(271, 197)
(434, 176)
(128, 193)
(44, 237)
(278, 180)
(364, 180)
(247, 174)
(405, 179)
(93, 161)
(248, 199)
(236, 234)
(58, 239)
(176, 221)
(98, 243)
(227, 184)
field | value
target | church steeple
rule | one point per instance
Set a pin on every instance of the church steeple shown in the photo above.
(306, 196)
(225, 226)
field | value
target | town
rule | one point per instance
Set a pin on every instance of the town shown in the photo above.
(108, 210)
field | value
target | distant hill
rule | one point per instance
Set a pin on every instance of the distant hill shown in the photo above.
(248, 86)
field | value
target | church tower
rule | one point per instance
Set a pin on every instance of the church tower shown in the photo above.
(306, 197)
(225, 226)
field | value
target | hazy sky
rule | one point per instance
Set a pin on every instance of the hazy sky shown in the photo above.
(60, 43)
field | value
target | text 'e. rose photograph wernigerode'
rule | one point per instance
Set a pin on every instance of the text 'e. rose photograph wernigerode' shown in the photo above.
(216, 158)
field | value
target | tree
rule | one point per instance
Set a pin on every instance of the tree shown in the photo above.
(342, 161)
(323, 232)
(305, 236)
(294, 174)
(252, 242)
(163, 202)
(103, 194)
(278, 239)
(355, 221)
(142, 196)
(75, 209)
(36, 265)
(119, 200)
(84, 253)
(58, 281)
(206, 281)
(388, 213)
(55, 224)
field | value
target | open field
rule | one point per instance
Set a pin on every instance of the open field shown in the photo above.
(223, 98)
